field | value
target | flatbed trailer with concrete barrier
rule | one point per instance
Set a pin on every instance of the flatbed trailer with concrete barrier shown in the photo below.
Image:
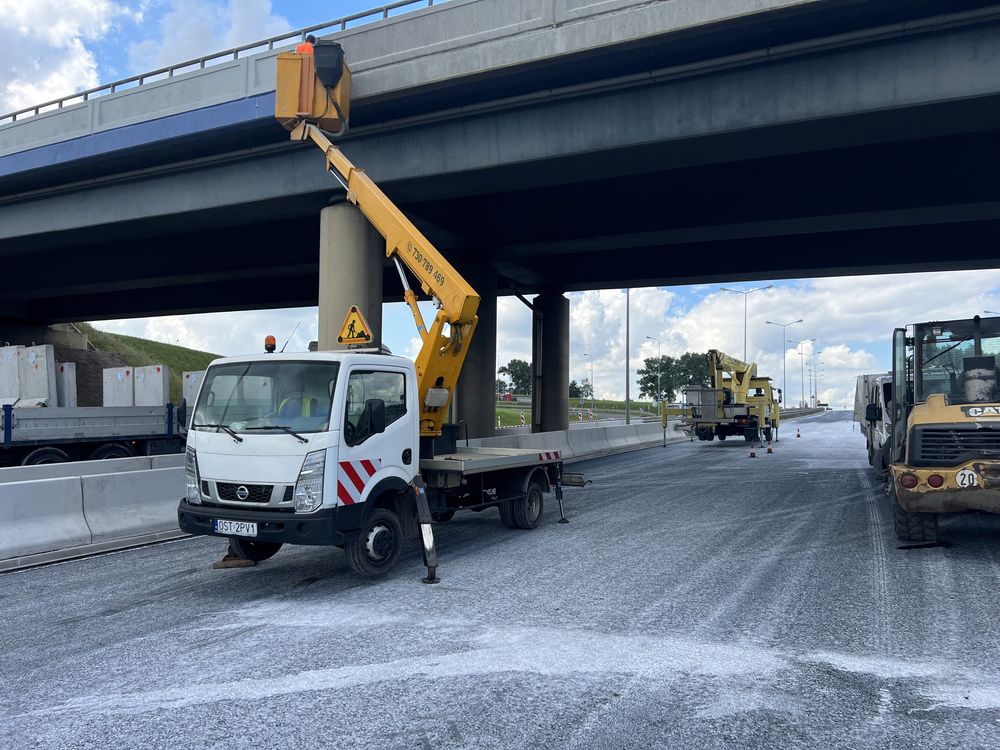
(46, 435)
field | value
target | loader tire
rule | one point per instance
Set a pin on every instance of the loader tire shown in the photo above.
(915, 528)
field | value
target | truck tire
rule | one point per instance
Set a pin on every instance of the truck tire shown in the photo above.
(507, 513)
(251, 550)
(721, 436)
(375, 549)
(916, 528)
(47, 455)
(527, 510)
(768, 434)
(112, 450)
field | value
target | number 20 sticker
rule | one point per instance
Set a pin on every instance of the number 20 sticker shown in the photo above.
(967, 478)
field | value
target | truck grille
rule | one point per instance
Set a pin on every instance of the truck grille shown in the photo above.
(259, 493)
(951, 446)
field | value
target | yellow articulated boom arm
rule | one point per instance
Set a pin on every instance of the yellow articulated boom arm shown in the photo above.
(740, 372)
(446, 342)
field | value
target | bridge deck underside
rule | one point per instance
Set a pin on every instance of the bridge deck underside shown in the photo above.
(859, 159)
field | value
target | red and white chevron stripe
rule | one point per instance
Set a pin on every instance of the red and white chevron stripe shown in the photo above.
(352, 478)
(549, 456)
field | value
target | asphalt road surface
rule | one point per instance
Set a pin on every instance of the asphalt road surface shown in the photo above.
(698, 599)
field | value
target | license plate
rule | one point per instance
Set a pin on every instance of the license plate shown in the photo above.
(235, 528)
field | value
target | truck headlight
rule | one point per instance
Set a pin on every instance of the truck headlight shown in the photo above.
(309, 486)
(191, 477)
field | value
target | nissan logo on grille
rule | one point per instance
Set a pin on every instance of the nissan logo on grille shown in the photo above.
(242, 493)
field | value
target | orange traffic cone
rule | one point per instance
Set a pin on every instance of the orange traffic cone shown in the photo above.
(797, 434)
(769, 448)
(753, 453)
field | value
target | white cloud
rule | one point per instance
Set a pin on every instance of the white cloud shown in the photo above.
(193, 28)
(46, 51)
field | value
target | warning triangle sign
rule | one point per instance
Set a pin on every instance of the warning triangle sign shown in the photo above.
(355, 329)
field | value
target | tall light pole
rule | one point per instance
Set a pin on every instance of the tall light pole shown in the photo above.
(591, 380)
(746, 293)
(628, 415)
(802, 366)
(658, 387)
(784, 379)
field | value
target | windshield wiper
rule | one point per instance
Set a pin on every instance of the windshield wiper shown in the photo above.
(222, 427)
(283, 428)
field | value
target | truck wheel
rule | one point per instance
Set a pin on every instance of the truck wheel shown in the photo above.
(374, 550)
(767, 434)
(112, 450)
(919, 528)
(47, 455)
(722, 437)
(527, 511)
(251, 550)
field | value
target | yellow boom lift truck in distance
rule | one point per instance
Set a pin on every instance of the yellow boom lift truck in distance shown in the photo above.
(946, 423)
(350, 448)
(738, 402)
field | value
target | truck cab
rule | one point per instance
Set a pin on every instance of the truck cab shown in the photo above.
(873, 412)
(289, 448)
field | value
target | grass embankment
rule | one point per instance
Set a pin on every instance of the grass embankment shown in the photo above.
(140, 352)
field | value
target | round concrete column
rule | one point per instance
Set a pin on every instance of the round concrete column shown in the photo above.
(554, 345)
(351, 255)
(475, 398)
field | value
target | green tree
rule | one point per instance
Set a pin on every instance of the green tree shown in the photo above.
(649, 375)
(692, 369)
(574, 389)
(519, 373)
(586, 389)
(502, 387)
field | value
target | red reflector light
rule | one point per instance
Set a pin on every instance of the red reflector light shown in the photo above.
(935, 480)
(909, 481)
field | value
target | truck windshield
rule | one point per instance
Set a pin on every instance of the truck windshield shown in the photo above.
(958, 359)
(263, 396)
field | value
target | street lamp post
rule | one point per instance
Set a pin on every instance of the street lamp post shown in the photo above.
(784, 378)
(802, 367)
(746, 293)
(591, 380)
(659, 388)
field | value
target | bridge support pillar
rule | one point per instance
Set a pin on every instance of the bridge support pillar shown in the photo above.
(550, 363)
(351, 255)
(475, 398)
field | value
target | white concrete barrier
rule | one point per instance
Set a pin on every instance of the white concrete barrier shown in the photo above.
(77, 469)
(120, 506)
(41, 516)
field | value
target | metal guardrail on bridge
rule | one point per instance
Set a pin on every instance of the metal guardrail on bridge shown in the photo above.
(379, 13)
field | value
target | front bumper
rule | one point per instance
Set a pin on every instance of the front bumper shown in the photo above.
(951, 497)
(318, 528)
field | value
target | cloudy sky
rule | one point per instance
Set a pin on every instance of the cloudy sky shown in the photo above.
(54, 47)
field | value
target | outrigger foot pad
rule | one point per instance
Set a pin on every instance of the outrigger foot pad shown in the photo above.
(233, 561)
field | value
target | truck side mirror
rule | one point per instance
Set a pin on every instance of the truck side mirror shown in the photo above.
(873, 413)
(376, 415)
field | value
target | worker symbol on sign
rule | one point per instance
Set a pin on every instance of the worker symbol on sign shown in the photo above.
(355, 329)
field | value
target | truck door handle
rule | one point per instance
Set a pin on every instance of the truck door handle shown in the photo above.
(407, 457)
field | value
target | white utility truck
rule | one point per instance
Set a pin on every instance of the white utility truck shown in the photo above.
(872, 410)
(350, 447)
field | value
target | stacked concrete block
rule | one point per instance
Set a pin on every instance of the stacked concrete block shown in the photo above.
(10, 388)
(119, 386)
(152, 385)
(36, 370)
(66, 383)
(191, 383)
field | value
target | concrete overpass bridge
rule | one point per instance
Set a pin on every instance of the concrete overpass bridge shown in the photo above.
(543, 145)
